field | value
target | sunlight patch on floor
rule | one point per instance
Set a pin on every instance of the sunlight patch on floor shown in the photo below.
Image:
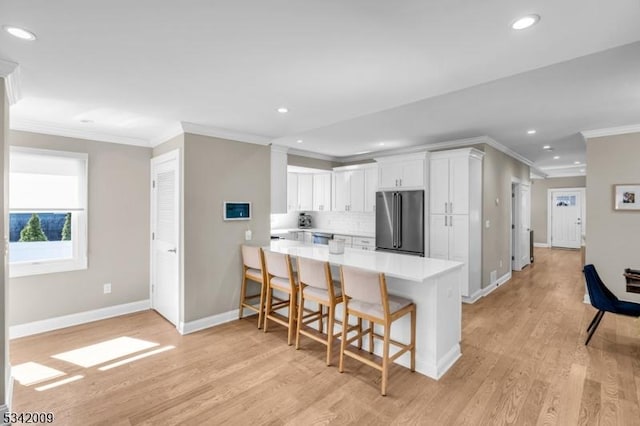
(135, 358)
(30, 373)
(100, 353)
(59, 383)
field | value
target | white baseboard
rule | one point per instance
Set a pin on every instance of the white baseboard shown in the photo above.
(473, 298)
(503, 279)
(56, 323)
(541, 245)
(9, 388)
(4, 409)
(207, 322)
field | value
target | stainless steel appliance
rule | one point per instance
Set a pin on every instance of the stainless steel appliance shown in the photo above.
(321, 238)
(400, 221)
(304, 220)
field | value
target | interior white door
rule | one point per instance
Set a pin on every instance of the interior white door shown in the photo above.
(525, 225)
(566, 219)
(165, 228)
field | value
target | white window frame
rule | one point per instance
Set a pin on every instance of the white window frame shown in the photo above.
(79, 224)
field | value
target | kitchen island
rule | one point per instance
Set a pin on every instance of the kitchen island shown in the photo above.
(432, 284)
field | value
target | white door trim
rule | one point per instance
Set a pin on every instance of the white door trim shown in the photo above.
(169, 156)
(583, 197)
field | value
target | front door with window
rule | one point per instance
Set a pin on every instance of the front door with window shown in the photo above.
(165, 221)
(566, 219)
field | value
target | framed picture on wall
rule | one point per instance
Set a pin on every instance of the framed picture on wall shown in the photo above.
(626, 197)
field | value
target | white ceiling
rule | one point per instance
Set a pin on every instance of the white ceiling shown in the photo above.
(138, 69)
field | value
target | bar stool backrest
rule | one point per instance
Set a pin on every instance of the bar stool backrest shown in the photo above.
(361, 285)
(278, 264)
(314, 273)
(251, 257)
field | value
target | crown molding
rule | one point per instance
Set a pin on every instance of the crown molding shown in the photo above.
(217, 132)
(611, 131)
(55, 129)
(457, 143)
(279, 148)
(316, 155)
(10, 71)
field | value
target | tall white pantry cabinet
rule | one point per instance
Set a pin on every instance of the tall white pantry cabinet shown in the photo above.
(456, 213)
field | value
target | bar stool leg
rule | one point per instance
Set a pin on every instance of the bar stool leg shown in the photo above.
(330, 333)
(263, 290)
(371, 325)
(243, 292)
(345, 325)
(267, 309)
(300, 311)
(360, 333)
(385, 358)
(292, 318)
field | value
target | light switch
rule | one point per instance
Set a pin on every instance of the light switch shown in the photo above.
(247, 235)
(487, 224)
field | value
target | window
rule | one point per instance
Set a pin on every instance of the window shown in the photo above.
(47, 211)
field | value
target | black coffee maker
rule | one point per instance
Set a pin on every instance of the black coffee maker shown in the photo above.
(304, 220)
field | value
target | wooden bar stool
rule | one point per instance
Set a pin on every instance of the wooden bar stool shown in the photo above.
(280, 277)
(365, 296)
(316, 285)
(253, 269)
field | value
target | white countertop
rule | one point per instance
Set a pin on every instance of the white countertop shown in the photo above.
(403, 266)
(284, 231)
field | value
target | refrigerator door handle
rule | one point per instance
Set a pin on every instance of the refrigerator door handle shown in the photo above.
(393, 221)
(399, 224)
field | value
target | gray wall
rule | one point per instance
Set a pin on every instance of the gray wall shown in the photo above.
(539, 203)
(313, 163)
(612, 236)
(217, 170)
(498, 171)
(118, 233)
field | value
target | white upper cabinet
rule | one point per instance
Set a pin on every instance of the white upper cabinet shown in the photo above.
(305, 192)
(348, 190)
(449, 177)
(292, 192)
(402, 171)
(322, 192)
(370, 188)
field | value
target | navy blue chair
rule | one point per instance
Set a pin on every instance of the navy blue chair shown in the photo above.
(604, 301)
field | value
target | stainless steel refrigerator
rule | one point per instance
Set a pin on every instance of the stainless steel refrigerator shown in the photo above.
(400, 221)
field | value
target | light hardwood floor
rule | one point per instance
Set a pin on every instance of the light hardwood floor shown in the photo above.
(524, 362)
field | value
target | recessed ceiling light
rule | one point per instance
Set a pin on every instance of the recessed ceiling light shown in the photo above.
(381, 144)
(20, 33)
(299, 141)
(283, 110)
(547, 148)
(576, 162)
(531, 132)
(525, 22)
(557, 157)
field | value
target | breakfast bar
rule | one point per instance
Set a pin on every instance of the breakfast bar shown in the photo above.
(432, 284)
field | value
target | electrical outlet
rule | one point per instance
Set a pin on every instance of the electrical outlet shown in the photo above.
(247, 235)
(106, 288)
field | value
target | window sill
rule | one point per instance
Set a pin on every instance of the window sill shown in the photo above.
(17, 270)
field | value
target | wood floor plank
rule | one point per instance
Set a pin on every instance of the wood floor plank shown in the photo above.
(524, 362)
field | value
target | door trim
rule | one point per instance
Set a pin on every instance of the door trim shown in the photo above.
(168, 156)
(583, 208)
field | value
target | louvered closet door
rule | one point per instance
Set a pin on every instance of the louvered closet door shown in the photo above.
(165, 220)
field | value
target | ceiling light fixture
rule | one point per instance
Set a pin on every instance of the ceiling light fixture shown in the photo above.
(525, 22)
(381, 144)
(299, 141)
(557, 157)
(20, 33)
(531, 132)
(547, 148)
(576, 162)
(283, 110)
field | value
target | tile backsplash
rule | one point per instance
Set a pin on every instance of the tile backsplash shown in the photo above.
(349, 222)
